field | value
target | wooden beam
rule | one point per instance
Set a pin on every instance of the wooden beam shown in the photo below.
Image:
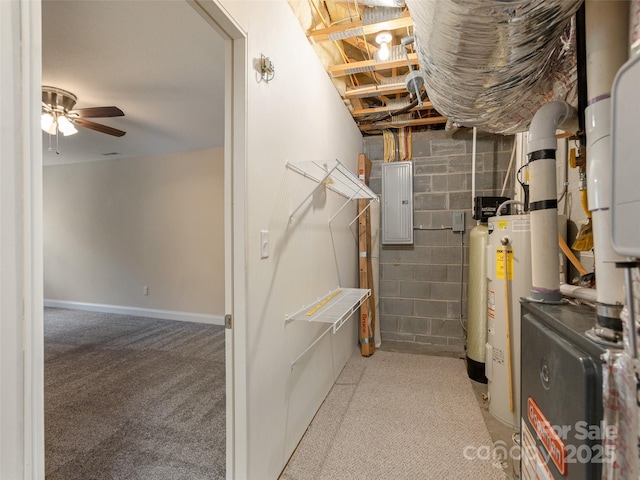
(426, 105)
(367, 309)
(370, 65)
(322, 34)
(356, 103)
(361, 45)
(376, 90)
(375, 76)
(367, 127)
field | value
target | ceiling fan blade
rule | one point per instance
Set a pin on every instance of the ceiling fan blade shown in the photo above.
(98, 112)
(98, 127)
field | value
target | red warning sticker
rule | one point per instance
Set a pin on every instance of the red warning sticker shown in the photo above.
(548, 436)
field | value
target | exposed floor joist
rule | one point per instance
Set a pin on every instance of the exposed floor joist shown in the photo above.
(370, 65)
(359, 28)
(427, 105)
(417, 122)
(374, 87)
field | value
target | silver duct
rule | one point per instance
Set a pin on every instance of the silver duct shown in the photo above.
(493, 64)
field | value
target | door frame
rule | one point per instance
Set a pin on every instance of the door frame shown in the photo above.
(235, 161)
(28, 138)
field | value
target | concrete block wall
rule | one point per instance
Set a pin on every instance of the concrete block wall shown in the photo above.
(420, 284)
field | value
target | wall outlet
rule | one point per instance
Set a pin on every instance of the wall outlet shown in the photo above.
(458, 222)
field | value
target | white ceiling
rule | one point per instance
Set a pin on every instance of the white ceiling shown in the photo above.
(158, 61)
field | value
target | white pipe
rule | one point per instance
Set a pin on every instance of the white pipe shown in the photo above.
(611, 291)
(507, 202)
(607, 50)
(521, 159)
(542, 145)
(506, 176)
(473, 169)
(583, 293)
(607, 44)
(550, 117)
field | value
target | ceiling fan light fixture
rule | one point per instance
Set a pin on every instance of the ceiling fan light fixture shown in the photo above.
(65, 126)
(48, 123)
(59, 115)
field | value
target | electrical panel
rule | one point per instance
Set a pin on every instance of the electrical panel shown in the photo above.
(397, 203)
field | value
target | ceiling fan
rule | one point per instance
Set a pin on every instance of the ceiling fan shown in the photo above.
(58, 114)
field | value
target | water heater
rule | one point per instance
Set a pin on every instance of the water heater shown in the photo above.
(508, 279)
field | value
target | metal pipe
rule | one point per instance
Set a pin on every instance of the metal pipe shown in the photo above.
(631, 324)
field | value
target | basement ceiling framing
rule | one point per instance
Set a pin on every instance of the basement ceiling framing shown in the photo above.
(343, 34)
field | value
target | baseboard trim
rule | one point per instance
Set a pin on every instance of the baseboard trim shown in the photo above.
(138, 312)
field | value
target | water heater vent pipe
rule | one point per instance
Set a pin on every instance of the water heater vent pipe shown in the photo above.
(541, 149)
(607, 50)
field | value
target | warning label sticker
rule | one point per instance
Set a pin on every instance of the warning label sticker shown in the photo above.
(500, 263)
(498, 355)
(532, 464)
(491, 312)
(521, 224)
(550, 439)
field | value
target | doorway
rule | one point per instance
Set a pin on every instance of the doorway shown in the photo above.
(235, 64)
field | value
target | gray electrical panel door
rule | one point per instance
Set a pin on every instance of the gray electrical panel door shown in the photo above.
(397, 203)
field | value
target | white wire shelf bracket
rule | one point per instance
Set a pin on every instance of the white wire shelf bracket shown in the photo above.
(333, 309)
(335, 177)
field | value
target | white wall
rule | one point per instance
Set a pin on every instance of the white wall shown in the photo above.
(114, 226)
(11, 259)
(21, 336)
(298, 116)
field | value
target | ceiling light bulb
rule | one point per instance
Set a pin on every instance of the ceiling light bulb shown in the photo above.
(383, 37)
(48, 124)
(383, 52)
(65, 126)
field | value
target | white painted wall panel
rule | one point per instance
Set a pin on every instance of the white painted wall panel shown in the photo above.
(114, 226)
(297, 116)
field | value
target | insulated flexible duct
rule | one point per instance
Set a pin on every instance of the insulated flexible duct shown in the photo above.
(493, 64)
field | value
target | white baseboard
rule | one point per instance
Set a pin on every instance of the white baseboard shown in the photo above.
(138, 312)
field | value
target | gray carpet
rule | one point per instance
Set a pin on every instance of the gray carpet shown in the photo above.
(397, 416)
(133, 398)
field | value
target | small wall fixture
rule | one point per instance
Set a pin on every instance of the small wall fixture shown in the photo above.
(266, 69)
